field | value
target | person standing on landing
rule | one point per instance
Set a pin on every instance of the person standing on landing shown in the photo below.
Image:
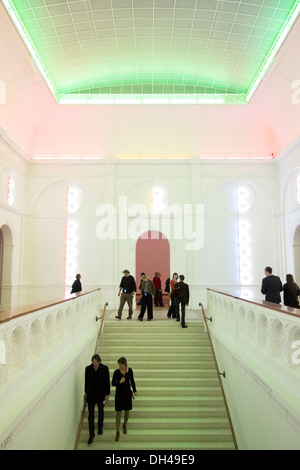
(128, 289)
(271, 286)
(291, 292)
(158, 293)
(172, 308)
(147, 291)
(76, 286)
(182, 296)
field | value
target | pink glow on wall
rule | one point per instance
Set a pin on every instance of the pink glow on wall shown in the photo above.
(153, 254)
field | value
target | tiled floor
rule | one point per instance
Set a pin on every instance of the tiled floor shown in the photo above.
(159, 313)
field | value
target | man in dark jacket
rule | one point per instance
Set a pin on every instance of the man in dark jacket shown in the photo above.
(97, 391)
(271, 286)
(182, 296)
(128, 289)
(76, 287)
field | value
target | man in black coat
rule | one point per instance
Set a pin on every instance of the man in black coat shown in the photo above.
(182, 296)
(97, 391)
(76, 286)
(271, 286)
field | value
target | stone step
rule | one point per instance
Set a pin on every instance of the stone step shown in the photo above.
(198, 382)
(162, 435)
(169, 341)
(127, 445)
(173, 374)
(175, 366)
(166, 423)
(114, 350)
(179, 405)
(179, 400)
(178, 391)
(172, 411)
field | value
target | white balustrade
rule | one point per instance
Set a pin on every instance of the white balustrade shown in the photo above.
(257, 329)
(38, 348)
(27, 338)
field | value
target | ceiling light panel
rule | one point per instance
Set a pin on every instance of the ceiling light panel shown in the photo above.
(154, 47)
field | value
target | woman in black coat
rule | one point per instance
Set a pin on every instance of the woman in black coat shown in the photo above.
(123, 380)
(291, 292)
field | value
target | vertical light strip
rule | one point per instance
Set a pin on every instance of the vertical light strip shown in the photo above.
(11, 191)
(158, 200)
(244, 251)
(71, 239)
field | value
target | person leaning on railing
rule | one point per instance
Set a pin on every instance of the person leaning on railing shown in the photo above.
(291, 292)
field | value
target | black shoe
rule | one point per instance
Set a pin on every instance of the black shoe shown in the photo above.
(148, 319)
(100, 430)
(184, 326)
(90, 440)
(140, 319)
(129, 317)
(119, 318)
(177, 319)
(169, 316)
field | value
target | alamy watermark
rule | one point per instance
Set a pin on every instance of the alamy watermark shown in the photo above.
(296, 93)
(296, 354)
(2, 92)
(178, 221)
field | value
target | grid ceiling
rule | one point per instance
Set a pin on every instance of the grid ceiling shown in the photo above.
(104, 47)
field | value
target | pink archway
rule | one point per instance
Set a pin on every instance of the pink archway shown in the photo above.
(153, 254)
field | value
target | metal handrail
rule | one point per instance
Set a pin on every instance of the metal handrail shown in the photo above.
(219, 373)
(84, 400)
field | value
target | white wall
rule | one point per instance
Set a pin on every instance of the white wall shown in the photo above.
(101, 261)
(289, 169)
(38, 220)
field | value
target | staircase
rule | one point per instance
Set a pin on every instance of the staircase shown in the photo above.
(179, 404)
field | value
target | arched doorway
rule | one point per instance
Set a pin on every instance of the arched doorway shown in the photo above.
(152, 255)
(297, 254)
(6, 247)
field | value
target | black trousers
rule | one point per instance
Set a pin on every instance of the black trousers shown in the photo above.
(146, 304)
(158, 298)
(91, 408)
(182, 312)
(172, 308)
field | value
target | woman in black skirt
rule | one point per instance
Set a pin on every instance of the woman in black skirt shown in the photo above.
(125, 388)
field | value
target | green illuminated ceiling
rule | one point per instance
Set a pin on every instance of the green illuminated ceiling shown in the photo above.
(105, 50)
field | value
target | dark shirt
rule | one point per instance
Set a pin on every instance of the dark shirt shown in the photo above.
(157, 282)
(271, 288)
(290, 295)
(182, 292)
(76, 287)
(97, 383)
(128, 284)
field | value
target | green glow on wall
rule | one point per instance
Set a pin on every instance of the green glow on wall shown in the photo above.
(192, 53)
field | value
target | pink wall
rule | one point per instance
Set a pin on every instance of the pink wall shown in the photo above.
(153, 254)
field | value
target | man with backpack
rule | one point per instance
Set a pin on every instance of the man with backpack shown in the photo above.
(182, 296)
